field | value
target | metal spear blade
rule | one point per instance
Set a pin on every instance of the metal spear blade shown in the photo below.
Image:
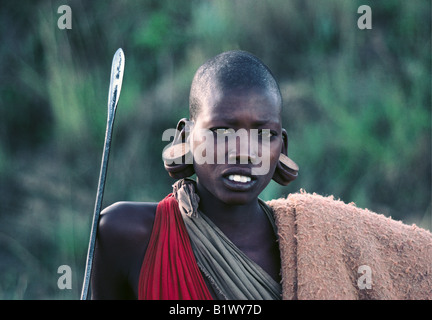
(117, 69)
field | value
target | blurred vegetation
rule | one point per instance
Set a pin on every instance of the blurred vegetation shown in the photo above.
(357, 107)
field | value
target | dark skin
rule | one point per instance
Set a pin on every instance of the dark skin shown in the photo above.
(125, 227)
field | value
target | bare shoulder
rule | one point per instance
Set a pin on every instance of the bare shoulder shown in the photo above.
(123, 220)
(125, 229)
(123, 235)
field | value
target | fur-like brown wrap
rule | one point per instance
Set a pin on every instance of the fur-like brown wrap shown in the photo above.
(324, 242)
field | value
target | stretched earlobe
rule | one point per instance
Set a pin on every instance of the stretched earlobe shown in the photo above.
(177, 157)
(286, 169)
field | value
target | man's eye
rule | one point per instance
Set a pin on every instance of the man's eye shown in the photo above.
(266, 133)
(223, 131)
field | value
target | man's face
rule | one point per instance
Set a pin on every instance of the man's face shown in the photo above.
(234, 176)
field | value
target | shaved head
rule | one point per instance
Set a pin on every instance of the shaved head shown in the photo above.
(232, 70)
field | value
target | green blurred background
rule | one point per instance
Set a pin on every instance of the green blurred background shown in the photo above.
(357, 108)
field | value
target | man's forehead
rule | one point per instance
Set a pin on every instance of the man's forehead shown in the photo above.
(237, 122)
(257, 100)
(258, 106)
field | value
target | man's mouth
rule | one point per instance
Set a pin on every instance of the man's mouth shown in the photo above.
(239, 180)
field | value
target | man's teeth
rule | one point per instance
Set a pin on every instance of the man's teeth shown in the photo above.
(239, 178)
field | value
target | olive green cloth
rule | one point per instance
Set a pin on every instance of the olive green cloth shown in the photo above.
(233, 275)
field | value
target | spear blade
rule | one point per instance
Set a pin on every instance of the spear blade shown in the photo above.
(117, 71)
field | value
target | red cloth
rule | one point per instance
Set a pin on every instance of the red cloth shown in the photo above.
(169, 270)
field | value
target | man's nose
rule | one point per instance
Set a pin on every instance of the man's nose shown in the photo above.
(243, 152)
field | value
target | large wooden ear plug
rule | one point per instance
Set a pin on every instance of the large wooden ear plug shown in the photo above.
(286, 170)
(178, 160)
(291, 165)
(175, 152)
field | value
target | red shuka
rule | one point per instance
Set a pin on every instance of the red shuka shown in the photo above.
(169, 270)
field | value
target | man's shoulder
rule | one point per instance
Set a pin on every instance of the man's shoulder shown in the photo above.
(127, 220)
(124, 232)
(143, 209)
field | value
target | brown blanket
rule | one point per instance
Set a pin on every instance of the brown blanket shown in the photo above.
(333, 250)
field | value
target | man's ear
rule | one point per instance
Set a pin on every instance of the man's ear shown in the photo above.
(286, 169)
(284, 149)
(183, 127)
(178, 160)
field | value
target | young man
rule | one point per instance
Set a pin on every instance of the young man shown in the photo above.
(213, 238)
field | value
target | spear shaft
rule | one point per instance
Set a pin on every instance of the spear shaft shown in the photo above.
(116, 80)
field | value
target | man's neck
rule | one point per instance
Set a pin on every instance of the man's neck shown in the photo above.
(233, 220)
(247, 226)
